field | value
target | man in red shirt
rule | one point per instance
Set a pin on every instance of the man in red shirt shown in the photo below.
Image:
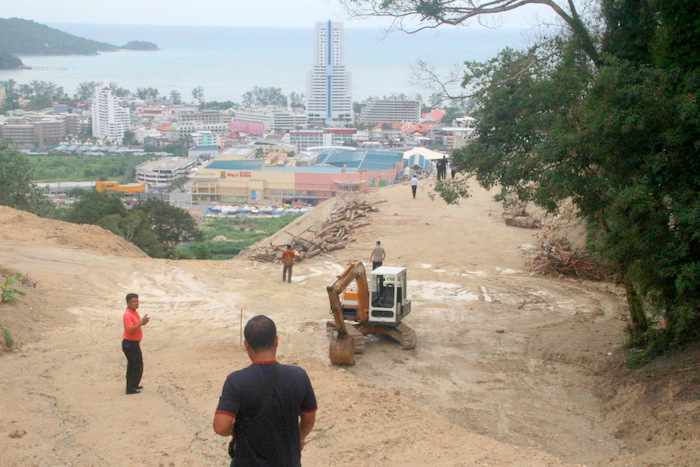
(131, 343)
(288, 257)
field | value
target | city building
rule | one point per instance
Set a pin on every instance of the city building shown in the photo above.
(329, 94)
(39, 130)
(391, 111)
(204, 138)
(335, 170)
(161, 173)
(452, 138)
(305, 139)
(110, 120)
(275, 120)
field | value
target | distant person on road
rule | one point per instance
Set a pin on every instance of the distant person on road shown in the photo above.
(414, 185)
(268, 408)
(131, 343)
(288, 257)
(377, 256)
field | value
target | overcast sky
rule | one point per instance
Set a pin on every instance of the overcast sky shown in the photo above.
(276, 13)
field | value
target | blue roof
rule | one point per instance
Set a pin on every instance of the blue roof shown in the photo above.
(236, 165)
(371, 159)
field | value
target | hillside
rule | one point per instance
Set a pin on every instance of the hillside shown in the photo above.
(510, 368)
(25, 37)
(9, 61)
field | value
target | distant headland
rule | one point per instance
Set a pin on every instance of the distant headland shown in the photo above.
(24, 37)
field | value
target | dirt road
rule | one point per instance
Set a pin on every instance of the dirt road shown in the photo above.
(503, 374)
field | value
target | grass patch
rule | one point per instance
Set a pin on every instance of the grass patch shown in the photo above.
(225, 238)
(75, 168)
(7, 337)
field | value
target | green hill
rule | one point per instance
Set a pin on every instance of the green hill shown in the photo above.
(140, 45)
(9, 61)
(24, 37)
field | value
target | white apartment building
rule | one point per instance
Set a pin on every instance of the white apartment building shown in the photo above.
(109, 118)
(278, 121)
(390, 111)
(329, 93)
(162, 173)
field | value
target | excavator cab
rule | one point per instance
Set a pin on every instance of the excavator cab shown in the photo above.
(389, 302)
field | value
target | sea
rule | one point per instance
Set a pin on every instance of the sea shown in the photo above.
(228, 61)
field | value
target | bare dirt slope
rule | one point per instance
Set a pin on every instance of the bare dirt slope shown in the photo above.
(504, 372)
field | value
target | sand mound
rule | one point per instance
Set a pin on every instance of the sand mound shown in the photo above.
(24, 227)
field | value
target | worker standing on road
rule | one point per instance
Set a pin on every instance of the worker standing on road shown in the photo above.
(131, 343)
(377, 256)
(414, 185)
(268, 408)
(288, 257)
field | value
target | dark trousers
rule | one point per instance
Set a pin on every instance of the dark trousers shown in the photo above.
(134, 364)
(376, 264)
(413, 190)
(287, 273)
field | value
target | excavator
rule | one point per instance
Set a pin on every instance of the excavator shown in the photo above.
(377, 307)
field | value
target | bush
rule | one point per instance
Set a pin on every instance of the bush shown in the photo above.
(8, 291)
(7, 336)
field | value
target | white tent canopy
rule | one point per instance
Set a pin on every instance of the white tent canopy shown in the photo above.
(425, 152)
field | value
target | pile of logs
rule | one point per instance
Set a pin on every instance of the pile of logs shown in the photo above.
(557, 257)
(335, 233)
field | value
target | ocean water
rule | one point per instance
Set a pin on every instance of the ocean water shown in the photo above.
(227, 62)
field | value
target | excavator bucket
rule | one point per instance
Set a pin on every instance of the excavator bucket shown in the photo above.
(342, 350)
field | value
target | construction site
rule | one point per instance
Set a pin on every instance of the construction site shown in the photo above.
(506, 367)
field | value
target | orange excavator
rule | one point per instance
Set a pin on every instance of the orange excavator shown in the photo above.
(376, 307)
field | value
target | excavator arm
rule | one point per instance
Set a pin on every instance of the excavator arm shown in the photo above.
(341, 348)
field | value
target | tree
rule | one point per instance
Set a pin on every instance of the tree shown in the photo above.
(147, 94)
(264, 96)
(129, 138)
(175, 97)
(171, 225)
(41, 94)
(16, 187)
(198, 95)
(416, 15)
(134, 227)
(92, 206)
(609, 120)
(119, 91)
(11, 96)
(86, 90)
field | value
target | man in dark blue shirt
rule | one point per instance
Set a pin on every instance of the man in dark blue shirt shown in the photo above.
(267, 407)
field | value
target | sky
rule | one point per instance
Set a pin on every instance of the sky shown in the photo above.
(272, 13)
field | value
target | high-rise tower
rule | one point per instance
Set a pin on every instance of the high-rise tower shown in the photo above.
(109, 119)
(329, 99)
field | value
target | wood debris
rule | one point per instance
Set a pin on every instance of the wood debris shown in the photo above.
(335, 233)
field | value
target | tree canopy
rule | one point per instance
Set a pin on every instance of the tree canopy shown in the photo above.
(607, 117)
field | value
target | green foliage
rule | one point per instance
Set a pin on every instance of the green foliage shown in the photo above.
(147, 94)
(16, 187)
(129, 139)
(170, 225)
(452, 191)
(8, 290)
(9, 61)
(239, 234)
(41, 94)
(7, 337)
(61, 168)
(617, 133)
(92, 206)
(11, 96)
(86, 90)
(175, 97)
(263, 96)
(19, 36)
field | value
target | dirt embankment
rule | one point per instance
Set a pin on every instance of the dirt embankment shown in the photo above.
(25, 228)
(510, 368)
